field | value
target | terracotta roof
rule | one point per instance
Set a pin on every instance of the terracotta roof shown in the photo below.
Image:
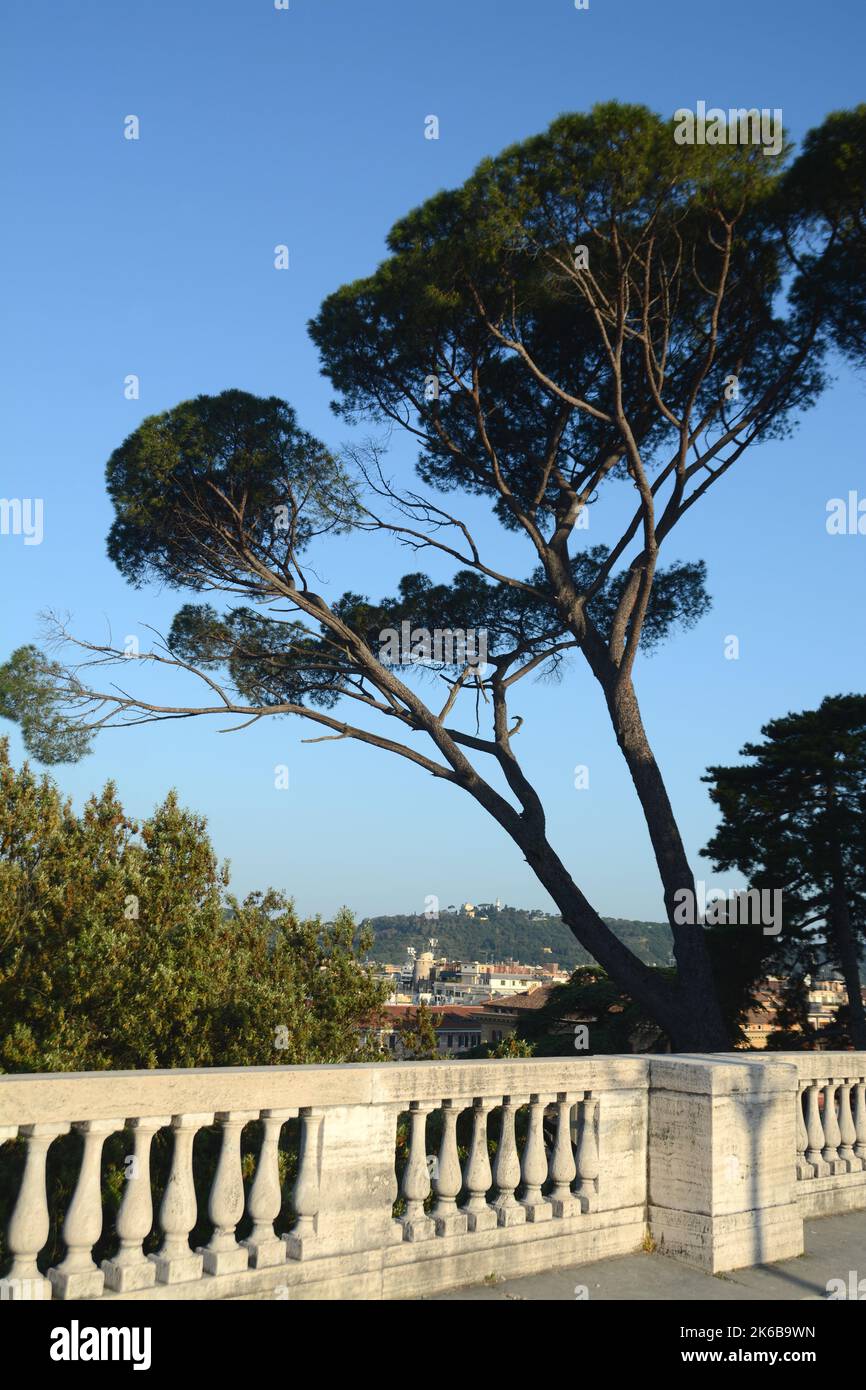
(452, 1016)
(452, 1019)
(534, 999)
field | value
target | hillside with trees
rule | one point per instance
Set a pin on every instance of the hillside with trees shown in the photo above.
(509, 933)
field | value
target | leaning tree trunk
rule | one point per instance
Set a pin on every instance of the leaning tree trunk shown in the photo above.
(689, 1023)
(687, 1029)
(699, 1025)
(703, 1026)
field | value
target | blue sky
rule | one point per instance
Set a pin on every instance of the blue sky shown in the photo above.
(155, 257)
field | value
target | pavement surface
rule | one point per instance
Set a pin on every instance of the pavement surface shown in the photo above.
(835, 1249)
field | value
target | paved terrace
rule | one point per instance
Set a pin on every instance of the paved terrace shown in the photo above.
(835, 1246)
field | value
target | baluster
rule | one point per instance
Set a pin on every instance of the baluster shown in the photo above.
(815, 1131)
(29, 1226)
(478, 1178)
(804, 1169)
(175, 1261)
(266, 1196)
(563, 1170)
(305, 1194)
(417, 1225)
(586, 1156)
(832, 1136)
(534, 1163)
(129, 1269)
(448, 1179)
(77, 1276)
(860, 1121)
(847, 1132)
(506, 1170)
(223, 1254)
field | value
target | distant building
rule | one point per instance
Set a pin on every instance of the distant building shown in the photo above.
(459, 1029)
(824, 997)
(423, 970)
(474, 982)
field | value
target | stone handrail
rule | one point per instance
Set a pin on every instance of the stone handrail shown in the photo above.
(831, 1128)
(699, 1155)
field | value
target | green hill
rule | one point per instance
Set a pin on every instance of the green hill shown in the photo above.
(509, 933)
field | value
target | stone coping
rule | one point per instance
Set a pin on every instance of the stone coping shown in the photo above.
(830, 1066)
(54, 1097)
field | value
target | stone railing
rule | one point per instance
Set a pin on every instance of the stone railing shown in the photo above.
(831, 1130)
(411, 1178)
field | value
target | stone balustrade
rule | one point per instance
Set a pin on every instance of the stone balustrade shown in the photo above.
(411, 1178)
(830, 1112)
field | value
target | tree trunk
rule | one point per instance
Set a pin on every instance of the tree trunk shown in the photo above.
(696, 991)
(688, 1029)
(846, 945)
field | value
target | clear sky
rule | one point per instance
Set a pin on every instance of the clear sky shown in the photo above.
(155, 257)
